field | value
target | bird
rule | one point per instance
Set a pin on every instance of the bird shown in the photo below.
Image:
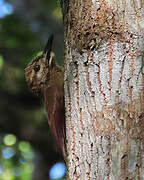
(45, 76)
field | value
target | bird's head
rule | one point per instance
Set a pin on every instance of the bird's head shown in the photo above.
(38, 70)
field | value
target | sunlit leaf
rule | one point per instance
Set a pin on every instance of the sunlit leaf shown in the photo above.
(28, 156)
(9, 139)
(8, 175)
(24, 146)
(27, 172)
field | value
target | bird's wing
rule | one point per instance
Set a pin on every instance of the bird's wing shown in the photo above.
(54, 102)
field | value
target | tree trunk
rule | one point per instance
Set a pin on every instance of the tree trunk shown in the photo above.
(104, 89)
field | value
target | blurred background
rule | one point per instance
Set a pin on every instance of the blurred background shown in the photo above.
(27, 150)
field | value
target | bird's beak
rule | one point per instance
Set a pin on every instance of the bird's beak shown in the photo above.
(48, 49)
(52, 55)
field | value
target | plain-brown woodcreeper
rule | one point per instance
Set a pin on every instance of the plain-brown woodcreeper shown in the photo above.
(44, 75)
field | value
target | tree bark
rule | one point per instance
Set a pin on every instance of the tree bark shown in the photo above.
(104, 89)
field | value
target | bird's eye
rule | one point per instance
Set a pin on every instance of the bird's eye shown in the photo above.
(37, 68)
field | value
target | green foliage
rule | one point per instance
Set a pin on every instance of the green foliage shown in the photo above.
(21, 111)
(18, 163)
(1, 62)
(53, 4)
(9, 140)
(16, 34)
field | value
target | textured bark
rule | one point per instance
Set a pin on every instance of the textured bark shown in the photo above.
(104, 89)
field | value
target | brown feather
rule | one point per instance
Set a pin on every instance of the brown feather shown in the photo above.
(42, 74)
(50, 81)
(54, 103)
